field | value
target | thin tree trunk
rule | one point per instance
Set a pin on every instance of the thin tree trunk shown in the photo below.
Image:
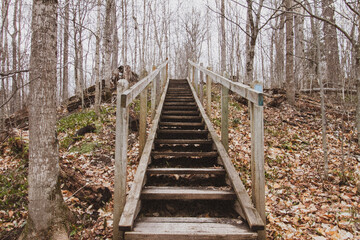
(107, 44)
(65, 80)
(115, 44)
(124, 43)
(15, 83)
(358, 91)
(323, 120)
(279, 51)
(223, 39)
(142, 58)
(290, 85)
(48, 214)
(299, 48)
(331, 44)
(97, 60)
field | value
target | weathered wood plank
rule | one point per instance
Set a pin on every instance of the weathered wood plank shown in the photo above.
(216, 171)
(180, 117)
(184, 154)
(241, 89)
(201, 86)
(190, 220)
(225, 117)
(190, 228)
(121, 140)
(252, 216)
(176, 131)
(257, 161)
(181, 124)
(183, 141)
(183, 193)
(133, 200)
(143, 114)
(153, 95)
(180, 104)
(191, 112)
(208, 93)
(129, 95)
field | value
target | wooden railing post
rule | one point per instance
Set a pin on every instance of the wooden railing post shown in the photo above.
(196, 81)
(208, 94)
(201, 86)
(121, 143)
(257, 161)
(193, 76)
(142, 125)
(165, 75)
(225, 116)
(158, 88)
(153, 96)
(166, 72)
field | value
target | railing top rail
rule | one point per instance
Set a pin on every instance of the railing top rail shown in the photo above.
(129, 95)
(243, 90)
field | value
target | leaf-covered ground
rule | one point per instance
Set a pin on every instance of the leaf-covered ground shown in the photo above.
(300, 204)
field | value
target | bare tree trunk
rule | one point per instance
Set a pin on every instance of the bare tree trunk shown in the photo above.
(299, 48)
(3, 56)
(97, 60)
(223, 39)
(279, 51)
(65, 82)
(323, 118)
(48, 213)
(115, 43)
(290, 85)
(124, 45)
(252, 32)
(20, 77)
(137, 45)
(15, 84)
(107, 44)
(331, 44)
(358, 91)
(142, 57)
(80, 72)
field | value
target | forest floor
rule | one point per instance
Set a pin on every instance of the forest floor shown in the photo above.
(300, 203)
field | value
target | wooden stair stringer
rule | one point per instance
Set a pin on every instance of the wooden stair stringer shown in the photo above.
(133, 201)
(249, 211)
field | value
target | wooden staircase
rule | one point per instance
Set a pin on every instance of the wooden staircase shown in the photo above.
(185, 189)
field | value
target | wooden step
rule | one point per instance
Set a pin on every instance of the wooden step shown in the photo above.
(181, 113)
(177, 131)
(183, 141)
(183, 154)
(182, 100)
(185, 108)
(179, 117)
(179, 104)
(184, 228)
(186, 193)
(215, 171)
(181, 97)
(181, 124)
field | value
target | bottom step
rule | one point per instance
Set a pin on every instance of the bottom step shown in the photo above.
(161, 228)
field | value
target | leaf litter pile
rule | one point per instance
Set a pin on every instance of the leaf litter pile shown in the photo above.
(300, 203)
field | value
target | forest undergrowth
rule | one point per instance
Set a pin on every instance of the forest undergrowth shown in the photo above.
(300, 203)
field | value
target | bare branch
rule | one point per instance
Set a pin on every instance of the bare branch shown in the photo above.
(13, 72)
